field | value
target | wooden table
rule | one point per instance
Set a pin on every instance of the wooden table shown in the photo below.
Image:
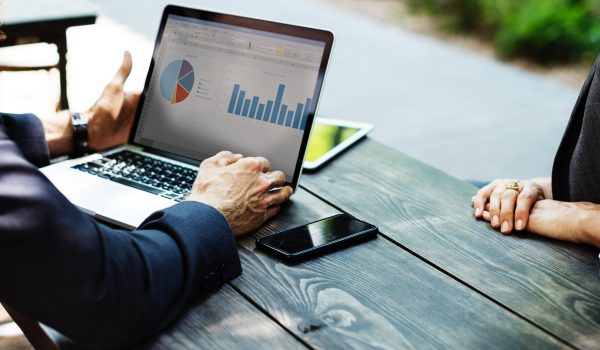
(35, 21)
(434, 278)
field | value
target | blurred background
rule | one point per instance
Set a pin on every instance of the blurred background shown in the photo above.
(478, 88)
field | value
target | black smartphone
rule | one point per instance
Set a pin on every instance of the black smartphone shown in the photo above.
(317, 238)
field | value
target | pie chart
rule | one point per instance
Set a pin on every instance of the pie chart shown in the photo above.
(177, 81)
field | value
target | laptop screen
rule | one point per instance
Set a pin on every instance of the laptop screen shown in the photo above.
(217, 86)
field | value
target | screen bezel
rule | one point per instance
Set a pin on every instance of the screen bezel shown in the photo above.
(250, 23)
(363, 130)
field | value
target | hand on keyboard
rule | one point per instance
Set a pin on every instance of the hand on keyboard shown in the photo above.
(245, 190)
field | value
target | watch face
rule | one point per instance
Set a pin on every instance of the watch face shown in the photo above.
(78, 119)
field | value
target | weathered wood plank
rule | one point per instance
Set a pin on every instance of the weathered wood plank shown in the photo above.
(224, 321)
(374, 295)
(553, 284)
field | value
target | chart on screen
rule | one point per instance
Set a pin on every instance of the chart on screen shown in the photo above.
(177, 81)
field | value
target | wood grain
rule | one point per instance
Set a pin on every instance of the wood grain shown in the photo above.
(553, 284)
(224, 321)
(374, 295)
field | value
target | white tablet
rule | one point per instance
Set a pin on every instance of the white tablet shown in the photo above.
(329, 137)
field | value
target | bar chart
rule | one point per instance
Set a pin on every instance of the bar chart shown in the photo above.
(269, 111)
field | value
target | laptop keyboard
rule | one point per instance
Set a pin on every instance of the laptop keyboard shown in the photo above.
(144, 173)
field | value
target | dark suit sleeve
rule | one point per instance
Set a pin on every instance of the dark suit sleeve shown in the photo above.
(101, 286)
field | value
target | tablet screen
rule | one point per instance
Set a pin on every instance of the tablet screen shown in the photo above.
(325, 137)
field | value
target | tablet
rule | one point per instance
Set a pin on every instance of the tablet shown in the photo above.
(330, 137)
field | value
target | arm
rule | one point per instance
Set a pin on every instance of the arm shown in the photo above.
(110, 288)
(577, 222)
(95, 284)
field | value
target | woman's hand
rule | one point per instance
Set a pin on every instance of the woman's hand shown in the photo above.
(110, 118)
(576, 222)
(509, 209)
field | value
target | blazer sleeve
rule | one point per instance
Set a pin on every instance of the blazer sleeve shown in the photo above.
(98, 285)
(27, 132)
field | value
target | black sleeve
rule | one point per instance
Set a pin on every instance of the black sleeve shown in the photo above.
(101, 286)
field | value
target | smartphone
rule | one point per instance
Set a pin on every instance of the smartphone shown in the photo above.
(317, 238)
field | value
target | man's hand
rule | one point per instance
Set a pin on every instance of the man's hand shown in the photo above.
(506, 209)
(110, 118)
(241, 189)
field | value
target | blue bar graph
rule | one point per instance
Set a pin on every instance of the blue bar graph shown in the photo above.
(288, 120)
(282, 115)
(277, 102)
(298, 116)
(236, 89)
(246, 107)
(253, 106)
(240, 101)
(261, 109)
(272, 111)
(267, 115)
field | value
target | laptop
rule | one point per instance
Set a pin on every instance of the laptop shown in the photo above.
(216, 82)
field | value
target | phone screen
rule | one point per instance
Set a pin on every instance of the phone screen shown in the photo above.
(316, 234)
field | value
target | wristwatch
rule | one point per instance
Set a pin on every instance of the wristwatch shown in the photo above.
(80, 134)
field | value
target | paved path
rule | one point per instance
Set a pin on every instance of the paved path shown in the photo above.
(468, 115)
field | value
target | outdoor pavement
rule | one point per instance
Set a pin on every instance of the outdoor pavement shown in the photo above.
(468, 115)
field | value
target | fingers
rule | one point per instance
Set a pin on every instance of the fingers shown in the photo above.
(525, 201)
(271, 212)
(507, 209)
(259, 164)
(278, 197)
(481, 198)
(504, 208)
(494, 209)
(124, 70)
(276, 179)
(221, 159)
(265, 165)
(228, 159)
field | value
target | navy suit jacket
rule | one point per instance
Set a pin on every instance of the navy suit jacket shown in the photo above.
(98, 285)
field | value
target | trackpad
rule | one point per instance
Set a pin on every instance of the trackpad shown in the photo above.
(122, 205)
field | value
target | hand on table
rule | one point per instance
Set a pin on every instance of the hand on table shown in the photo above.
(568, 221)
(508, 209)
(241, 189)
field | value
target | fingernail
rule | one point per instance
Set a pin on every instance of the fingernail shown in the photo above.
(519, 224)
(495, 220)
(477, 211)
(504, 226)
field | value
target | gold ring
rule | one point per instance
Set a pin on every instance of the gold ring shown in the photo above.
(513, 185)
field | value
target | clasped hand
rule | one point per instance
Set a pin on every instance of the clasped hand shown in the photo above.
(531, 208)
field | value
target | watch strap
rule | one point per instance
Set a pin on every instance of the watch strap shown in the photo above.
(80, 134)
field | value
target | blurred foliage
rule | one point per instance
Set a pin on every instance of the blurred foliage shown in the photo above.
(543, 30)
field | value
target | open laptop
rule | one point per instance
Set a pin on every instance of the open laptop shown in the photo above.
(216, 82)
